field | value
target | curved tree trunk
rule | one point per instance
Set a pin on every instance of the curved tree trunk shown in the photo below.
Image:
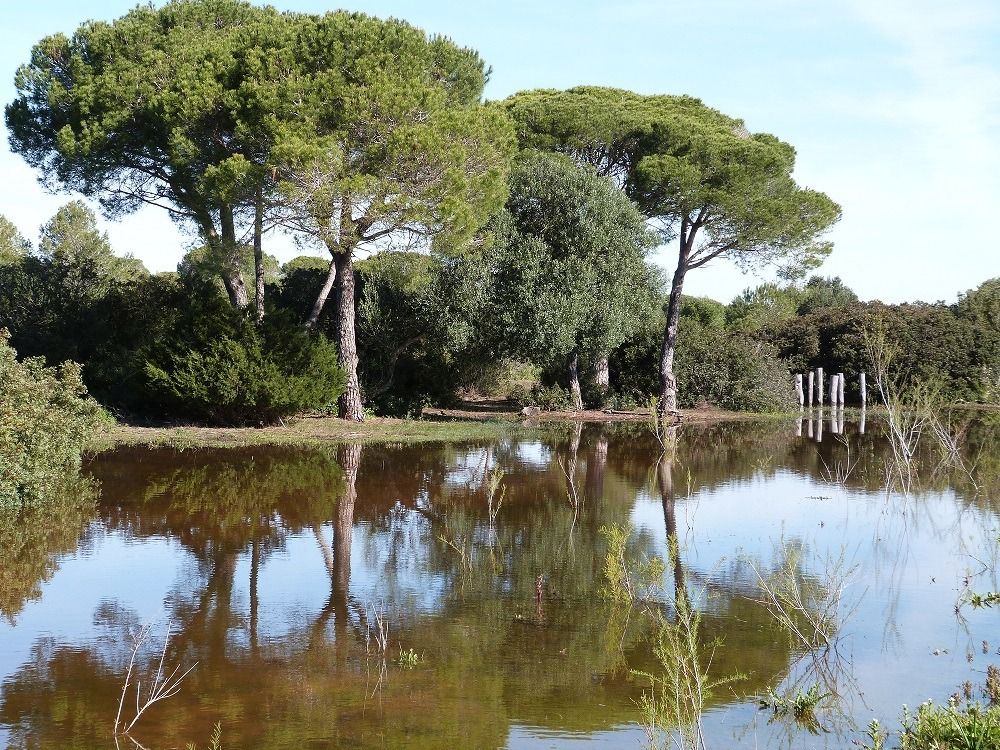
(324, 293)
(349, 405)
(668, 383)
(574, 381)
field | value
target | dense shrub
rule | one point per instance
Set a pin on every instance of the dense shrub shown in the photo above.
(726, 369)
(220, 368)
(931, 341)
(45, 418)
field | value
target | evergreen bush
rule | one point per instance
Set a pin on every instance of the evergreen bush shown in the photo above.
(45, 419)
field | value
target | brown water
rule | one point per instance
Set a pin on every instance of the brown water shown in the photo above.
(269, 566)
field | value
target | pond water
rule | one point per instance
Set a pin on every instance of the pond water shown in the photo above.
(274, 567)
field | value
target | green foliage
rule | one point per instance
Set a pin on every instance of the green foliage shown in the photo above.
(55, 302)
(546, 397)
(933, 727)
(981, 305)
(823, 292)
(685, 163)
(408, 659)
(71, 240)
(13, 245)
(932, 343)
(704, 310)
(200, 263)
(729, 370)
(45, 419)
(219, 368)
(565, 271)
(768, 303)
(801, 706)
(628, 580)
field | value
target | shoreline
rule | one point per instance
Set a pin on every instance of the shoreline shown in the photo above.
(469, 421)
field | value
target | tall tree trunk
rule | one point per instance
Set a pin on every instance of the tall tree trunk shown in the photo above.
(229, 257)
(574, 381)
(668, 383)
(258, 254)
(349, 405)
(602, 377)
(324, 293)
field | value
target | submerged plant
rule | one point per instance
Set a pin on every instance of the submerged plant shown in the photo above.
(214, 742)
(409, 658)
(673, 704)
(801, 706)
(807, 607)
(628, 581)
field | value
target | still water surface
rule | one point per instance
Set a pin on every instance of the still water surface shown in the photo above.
(269, 565)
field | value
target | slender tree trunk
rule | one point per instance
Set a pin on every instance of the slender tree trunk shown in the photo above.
(254, 600)
(324, 293)
(349, 404)
(665, 480)
(596, 465)
(668, 383)
(602, 377)
(258, 254)
(229, 253)
(574, 381)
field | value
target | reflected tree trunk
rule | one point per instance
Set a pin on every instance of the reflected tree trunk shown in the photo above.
(349, 458)
(665, 482)
(254, 601)
(596, 467)
(337, 557)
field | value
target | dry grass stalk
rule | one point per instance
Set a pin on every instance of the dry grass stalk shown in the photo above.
(164, 685)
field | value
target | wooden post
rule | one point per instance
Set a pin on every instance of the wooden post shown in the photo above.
(864, 390)
(861, 422)
(812, 398)
(833, 392)
(798, 390)
(819, 385)
(840, 389)
(819, 427)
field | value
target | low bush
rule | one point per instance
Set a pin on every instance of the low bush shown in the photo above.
(729, 370)
(45, 419)
(220, 368)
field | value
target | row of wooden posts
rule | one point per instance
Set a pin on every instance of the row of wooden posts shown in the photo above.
(815, 389)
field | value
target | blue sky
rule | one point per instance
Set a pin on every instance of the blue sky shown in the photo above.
(893, 106)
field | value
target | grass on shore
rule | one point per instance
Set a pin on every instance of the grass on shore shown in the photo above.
(443, 425)
(304, 432)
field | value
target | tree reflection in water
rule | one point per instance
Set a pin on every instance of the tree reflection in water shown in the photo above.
(352, 526)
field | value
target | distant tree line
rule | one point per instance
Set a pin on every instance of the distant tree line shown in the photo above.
(458, 237)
